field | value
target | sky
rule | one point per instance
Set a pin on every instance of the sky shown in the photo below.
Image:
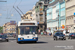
(8, 13)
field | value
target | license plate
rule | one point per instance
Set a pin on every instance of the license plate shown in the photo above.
(27, 36)
(21, 38)
(61, 37)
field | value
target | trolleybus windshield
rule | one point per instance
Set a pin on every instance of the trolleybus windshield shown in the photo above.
(28, 30)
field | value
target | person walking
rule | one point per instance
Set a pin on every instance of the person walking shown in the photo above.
(41, 33)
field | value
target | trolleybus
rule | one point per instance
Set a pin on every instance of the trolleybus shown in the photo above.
(27, 31)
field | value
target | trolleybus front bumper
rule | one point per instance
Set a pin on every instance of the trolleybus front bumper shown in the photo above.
(33, 39)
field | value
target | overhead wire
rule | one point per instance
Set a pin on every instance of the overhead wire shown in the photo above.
(13, 5)
(16, 10)
(17, 5)
(11, 11)
(7, 11)
(19, 2)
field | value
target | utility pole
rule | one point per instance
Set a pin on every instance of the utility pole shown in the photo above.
(58, 22)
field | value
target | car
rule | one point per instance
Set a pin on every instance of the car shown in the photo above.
(14, 35)
(59, 35)
(10, 34)
(71, 36)
(3, 37)
(67, 34)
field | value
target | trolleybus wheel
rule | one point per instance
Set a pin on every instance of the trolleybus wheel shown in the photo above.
(35, 41)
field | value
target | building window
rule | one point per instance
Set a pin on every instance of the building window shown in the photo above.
(27, 18)
(41, 26)
(41, 15)
(31, 18)
(31, 15)
(68, 0)
(62, 13)
(40, 4)
(41, 19)
(74, 27)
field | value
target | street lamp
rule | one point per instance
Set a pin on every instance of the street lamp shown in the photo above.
(0, 14)
(58, 22)
(12, 15)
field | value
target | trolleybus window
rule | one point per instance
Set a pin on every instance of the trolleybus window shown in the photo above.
(27, 23)
(22, 31)
(28, 30)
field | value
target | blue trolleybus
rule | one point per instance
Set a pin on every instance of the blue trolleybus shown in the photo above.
(27, 31)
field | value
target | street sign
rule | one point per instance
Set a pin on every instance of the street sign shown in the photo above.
(63, 26)
(74, 13)
(38, 22)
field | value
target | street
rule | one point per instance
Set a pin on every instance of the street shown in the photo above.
(44, 43)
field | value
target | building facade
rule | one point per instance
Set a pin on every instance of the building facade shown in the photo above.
(28, 15)
(9, 27)
(5, 27)
(70, 15)
(56, 15)
(34, 14)
(40, 7)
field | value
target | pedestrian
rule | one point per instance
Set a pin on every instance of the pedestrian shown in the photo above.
(45, 32)
(49, 34)
(41, 33)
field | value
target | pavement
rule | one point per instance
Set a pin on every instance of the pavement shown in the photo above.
(44, 43)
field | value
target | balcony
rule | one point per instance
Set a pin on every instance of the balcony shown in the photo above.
(41, 22)
(40, 9)
(41, 13)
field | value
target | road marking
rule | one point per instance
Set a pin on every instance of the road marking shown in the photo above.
(70, 40)
(11, 41)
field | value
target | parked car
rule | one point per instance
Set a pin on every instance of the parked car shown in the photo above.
(14, 35)
(67, 34)
(71, 36)
(10, 34)
(3, 37)
(59, 35)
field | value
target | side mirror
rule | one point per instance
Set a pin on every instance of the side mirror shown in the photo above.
(16, 27)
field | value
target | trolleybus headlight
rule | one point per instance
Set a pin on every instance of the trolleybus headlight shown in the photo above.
(6, 38)
(33, 32)
(21, 38)
(34, 38)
